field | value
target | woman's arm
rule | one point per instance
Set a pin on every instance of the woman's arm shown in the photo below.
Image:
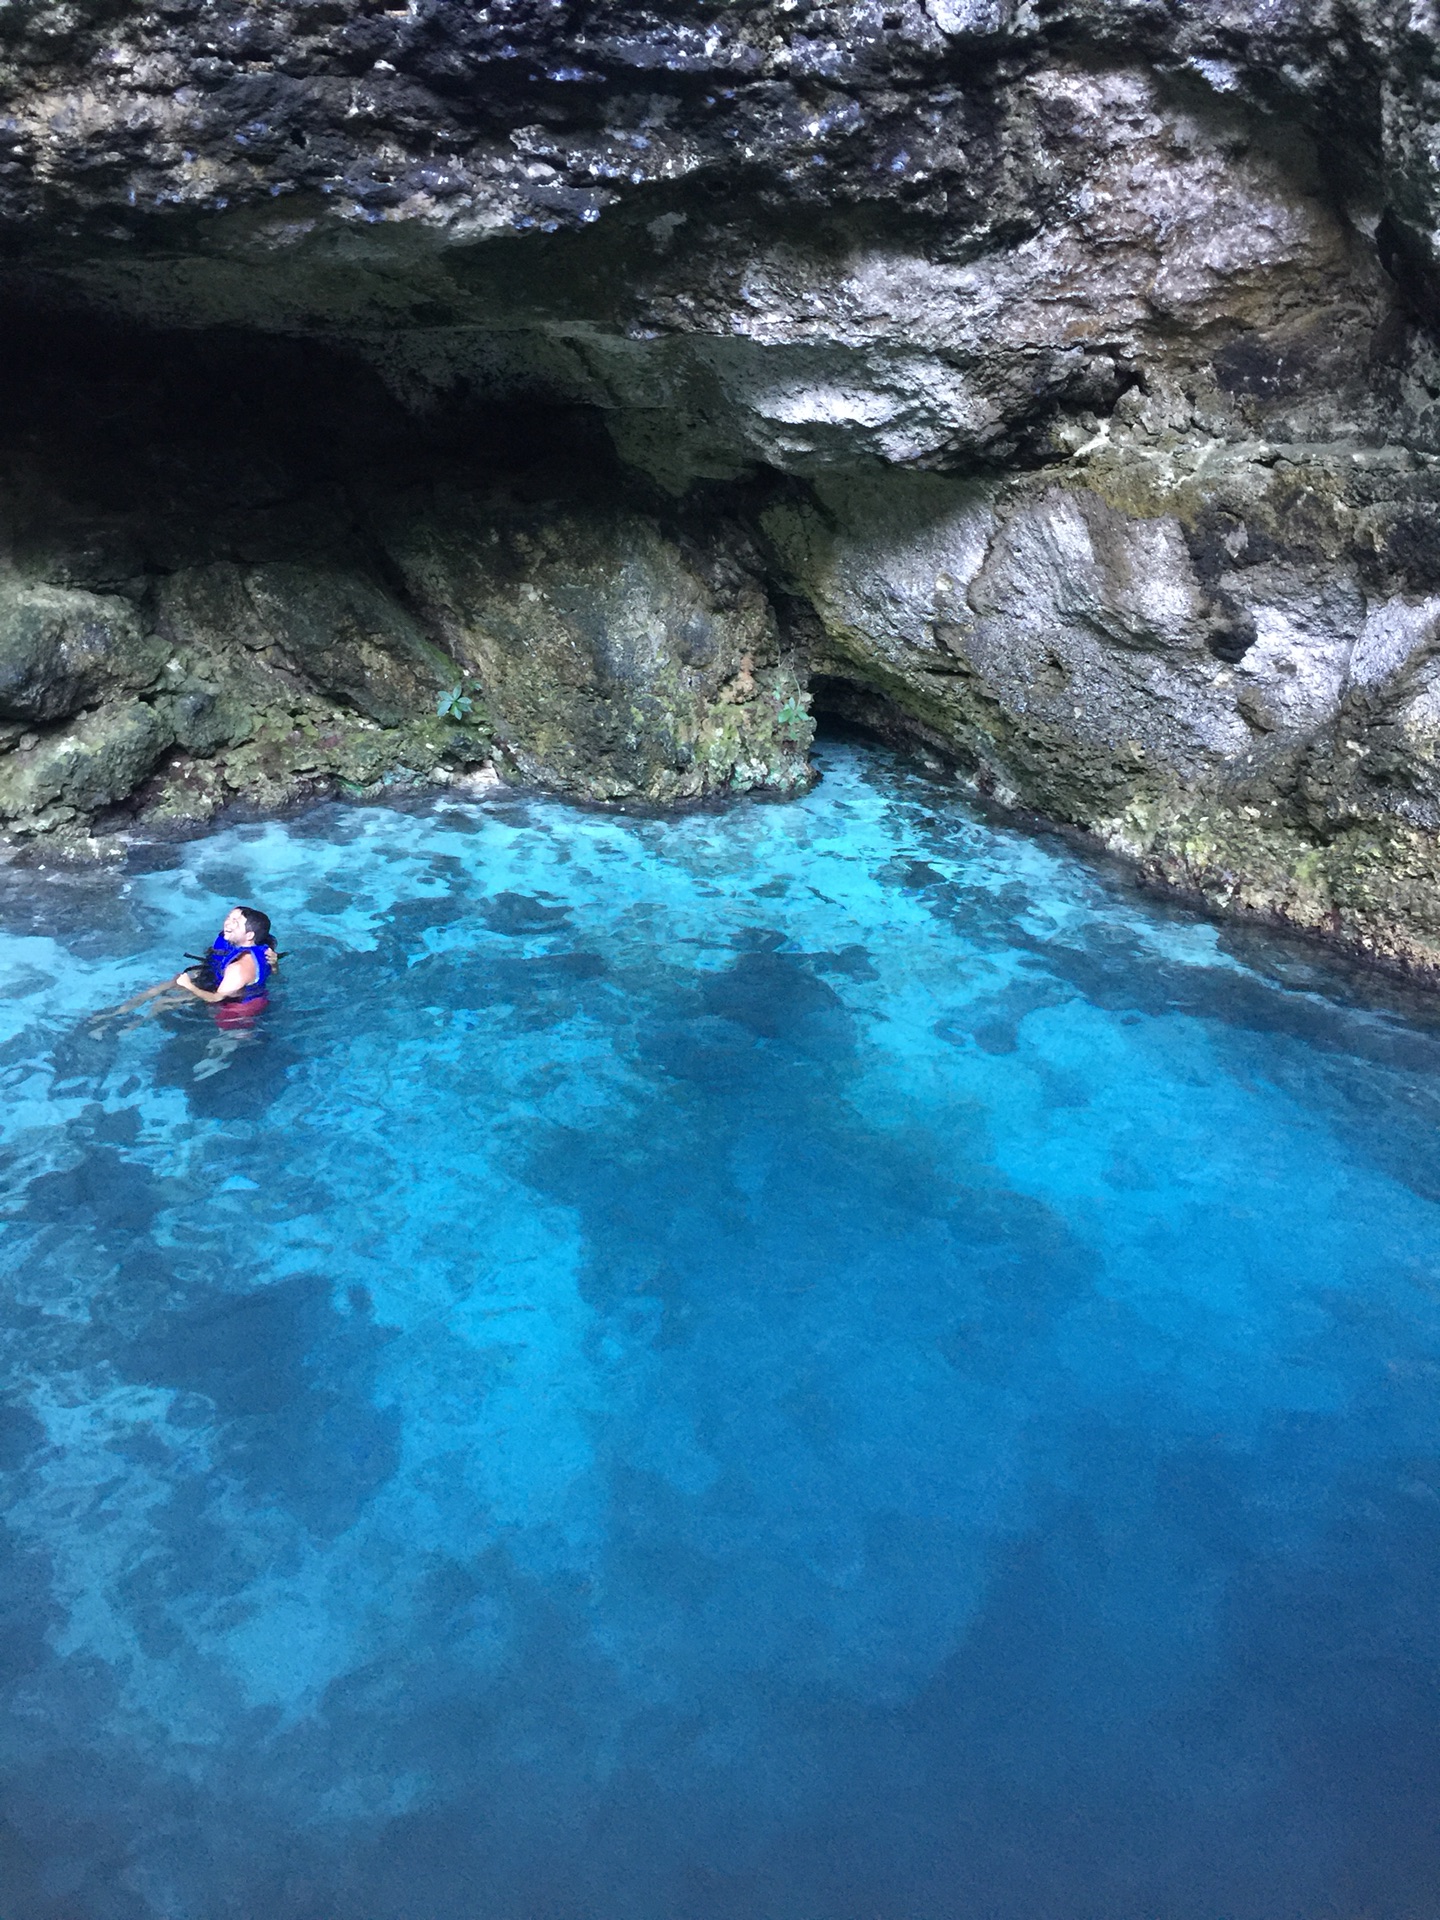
(237, 976)
(136, 1000)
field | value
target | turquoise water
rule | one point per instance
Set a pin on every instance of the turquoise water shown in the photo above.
(810, 1362)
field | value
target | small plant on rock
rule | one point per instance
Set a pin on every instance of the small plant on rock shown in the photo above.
(792, 719)
(454, 704)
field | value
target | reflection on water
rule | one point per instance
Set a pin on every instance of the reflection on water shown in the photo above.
(814, 1361)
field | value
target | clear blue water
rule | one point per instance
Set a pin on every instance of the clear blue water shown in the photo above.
(812, 1362)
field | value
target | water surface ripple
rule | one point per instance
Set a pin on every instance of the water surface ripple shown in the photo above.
(809, 1362)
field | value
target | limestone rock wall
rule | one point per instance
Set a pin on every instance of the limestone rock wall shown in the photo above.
(1053, 380)
(219, 585)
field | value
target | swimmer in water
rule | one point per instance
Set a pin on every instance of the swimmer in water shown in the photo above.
(233, 976)
(237, 969)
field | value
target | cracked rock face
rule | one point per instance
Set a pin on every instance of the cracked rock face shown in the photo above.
(586, 390)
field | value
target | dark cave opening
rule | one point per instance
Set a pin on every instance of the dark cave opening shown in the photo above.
(854, 709)
(237, 565)
(165, 441)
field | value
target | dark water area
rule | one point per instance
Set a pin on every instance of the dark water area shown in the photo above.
(806, 1362)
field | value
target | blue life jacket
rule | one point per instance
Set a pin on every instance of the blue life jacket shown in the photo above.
(221, 953)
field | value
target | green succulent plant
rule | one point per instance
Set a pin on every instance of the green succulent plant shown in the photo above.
(454, 704)
(792, 719)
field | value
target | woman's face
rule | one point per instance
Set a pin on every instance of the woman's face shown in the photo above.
(235, 929)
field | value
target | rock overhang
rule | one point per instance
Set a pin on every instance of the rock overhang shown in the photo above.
(1057, 377)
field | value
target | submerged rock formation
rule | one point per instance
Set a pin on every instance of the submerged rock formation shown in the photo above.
(589, 390)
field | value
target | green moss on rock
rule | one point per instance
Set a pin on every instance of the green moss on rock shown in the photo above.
(74, 771)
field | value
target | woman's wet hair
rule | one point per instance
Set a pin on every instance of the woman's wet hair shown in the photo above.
(257, 924)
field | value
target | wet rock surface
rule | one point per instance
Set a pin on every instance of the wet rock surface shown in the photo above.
(1054, 384)
(616, 661)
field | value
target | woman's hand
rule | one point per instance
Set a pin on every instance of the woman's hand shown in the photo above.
(232, 981)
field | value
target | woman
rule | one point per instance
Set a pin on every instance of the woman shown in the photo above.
(235, 972)
(232, 978)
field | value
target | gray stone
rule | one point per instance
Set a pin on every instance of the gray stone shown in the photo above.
(59, 649)
(72, 772)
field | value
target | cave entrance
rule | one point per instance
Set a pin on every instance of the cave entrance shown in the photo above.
(846, 708)
(191, 436)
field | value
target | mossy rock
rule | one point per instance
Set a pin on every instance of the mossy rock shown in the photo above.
(60, 648)
(79, 769)
(615, 659)
(339, 632)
